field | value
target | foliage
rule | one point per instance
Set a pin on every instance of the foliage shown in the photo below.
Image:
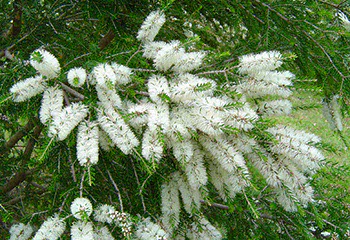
(48, 177)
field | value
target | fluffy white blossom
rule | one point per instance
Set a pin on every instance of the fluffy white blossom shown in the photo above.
(108, 97)
(20, 231)
(104, 75)
(138, 113)
(190, 197)
(45, 63)
(147, 230)
(275, 108)
(265, 61)
(188, 87)
(150, 27)
(51, 229)
(168, 56)
(150, 50)
(102, 233)
(28, 88)
(51, 104)
(65, 121)
(116, 128)
(157, 86)
(81, 208)
(122, 73)
(87, 143)
(105, 214)
(282, 78)
(170, 205)
(76, 76)
(152, 147)
(256, 89)
(203, 229)
(82, 231)
(195, 170)
(158, 116)
(188, 62)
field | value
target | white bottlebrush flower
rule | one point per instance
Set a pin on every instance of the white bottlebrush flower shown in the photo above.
(190, 197)
(67, 120)
(51, 229)
(152, 147)
(345, 20)
(225, 154)
(203, 229)
(150, 50)
(105, 214)
(195, 170)
(182, 150)
(116, 128)
(82, 231)
(257, 89)
(102, 233)
(170, 205)
(241, 118)
(147, 230)
(157, 86)
(279, 78)
(158, 116)
(150, 27)
(265, 61)
(299, 135)
(190, 87)
(188, 62)
(104, 75)
(87, 143)
(81, 208)
(138, 113)
(45, 63)
(20, 231)
(168, 56)
(275, 108)
(28, 88)
(76, 76)
(108, 97)
(122, 73)
(51, 104)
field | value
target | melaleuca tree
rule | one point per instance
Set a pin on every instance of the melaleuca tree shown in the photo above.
(160, 130)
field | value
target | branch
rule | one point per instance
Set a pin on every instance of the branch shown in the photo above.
(117, 190)
(73, 92)
(107, 39)
(17, 136)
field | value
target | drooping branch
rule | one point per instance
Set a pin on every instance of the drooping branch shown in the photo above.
(21, 176)
(73, 92)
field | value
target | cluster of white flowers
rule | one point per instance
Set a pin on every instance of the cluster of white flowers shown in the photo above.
(209, 134)
(81, 208)
(52, 228)
(87, 143)
(45, 63)
(20, 231)
(76, 76)
(147, 230)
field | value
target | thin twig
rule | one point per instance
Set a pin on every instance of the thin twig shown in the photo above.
(141, 187)
(138, 50)
(117, 190)
(73, 92)
(72, 169)
(82, 184)
(81, 56)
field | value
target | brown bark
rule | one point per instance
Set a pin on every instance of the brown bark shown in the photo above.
(107, 39)
(18, 136)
